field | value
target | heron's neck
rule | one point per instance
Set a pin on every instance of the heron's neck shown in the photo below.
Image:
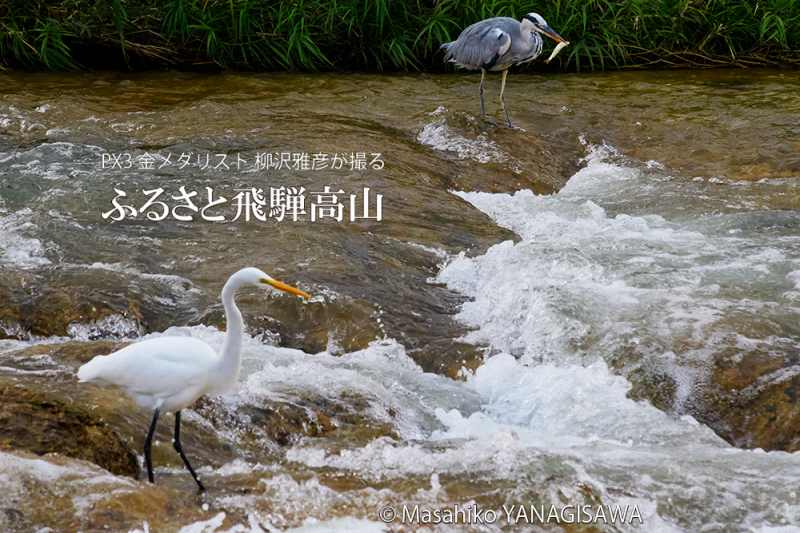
(231, 359)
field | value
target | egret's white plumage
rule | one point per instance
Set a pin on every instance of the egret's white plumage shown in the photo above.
(170, 373)
(166, 373)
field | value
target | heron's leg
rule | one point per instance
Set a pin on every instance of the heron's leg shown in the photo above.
(176, 443)
(483, 107)
(147, 444)
(502, 99)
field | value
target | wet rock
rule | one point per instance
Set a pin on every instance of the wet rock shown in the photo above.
(338, 325)
(344, 325)
(753, 402)
(10, 321)
(509, 159)
(36, 418)
(27, 309)
(58, 493)
(749, 399)
(47, 411)
(459, 356)
(89, 303)
(72, 353)
(65, 494)
(52, 312)
(342, 421)
(653, 385)
(347, 421)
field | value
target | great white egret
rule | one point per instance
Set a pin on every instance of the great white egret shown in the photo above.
(498, 43)
(170, 373)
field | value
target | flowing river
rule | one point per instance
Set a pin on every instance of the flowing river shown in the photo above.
(600, 307)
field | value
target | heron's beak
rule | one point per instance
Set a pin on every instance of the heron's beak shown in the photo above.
(550, 32)
(281, 286)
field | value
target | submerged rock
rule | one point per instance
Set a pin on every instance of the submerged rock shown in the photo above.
(10, 321)
(63, 494)
(750, 399)
(340, 325)
(90, 302)
(67, 312)
(285, 423)
(508, 159)
(753, 401)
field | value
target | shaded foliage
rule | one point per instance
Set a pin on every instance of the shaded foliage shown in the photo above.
(386, 34)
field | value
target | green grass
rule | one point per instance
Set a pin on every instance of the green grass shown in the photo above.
(386, 34)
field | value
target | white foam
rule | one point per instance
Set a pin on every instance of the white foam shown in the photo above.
(582, 285)
(112, 326)
(585, 283)
(439, 136)
(347, 524)
(38, 469)
(178, 283)
(794, 277)
(205, 526)
(17, 246)
(398, 391)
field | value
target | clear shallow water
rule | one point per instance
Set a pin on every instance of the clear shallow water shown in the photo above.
(635, 263)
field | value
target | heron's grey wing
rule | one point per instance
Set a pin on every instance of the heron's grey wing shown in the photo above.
(479, 46)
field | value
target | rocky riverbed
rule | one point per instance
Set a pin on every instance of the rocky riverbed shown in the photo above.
(599, 307)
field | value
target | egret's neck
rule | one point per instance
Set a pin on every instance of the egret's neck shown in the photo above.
(232, 348)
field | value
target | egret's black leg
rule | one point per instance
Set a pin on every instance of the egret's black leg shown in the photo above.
(147, 443)
(483, 107)
(177, 444)
(503, 100)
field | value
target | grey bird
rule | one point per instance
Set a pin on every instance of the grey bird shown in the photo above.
(499, 43)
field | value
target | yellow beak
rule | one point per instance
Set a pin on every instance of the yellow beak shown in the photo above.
(281, 286)
(550, 32)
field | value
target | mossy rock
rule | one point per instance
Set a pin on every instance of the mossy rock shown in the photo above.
(100, 424)
(41, 421)
(79, 496)
(345, 323)
(285, 423)
(753, 401)
(51, 312)
(750, 399)
(653, 385)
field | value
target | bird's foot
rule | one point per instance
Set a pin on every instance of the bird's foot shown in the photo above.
(514, 127)
(487, 121)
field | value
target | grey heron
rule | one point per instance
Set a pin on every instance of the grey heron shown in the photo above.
(497, 43)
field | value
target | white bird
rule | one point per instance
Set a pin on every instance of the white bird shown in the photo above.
(499, 43)
(170, 373)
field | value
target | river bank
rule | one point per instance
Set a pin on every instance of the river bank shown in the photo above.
(385, 36)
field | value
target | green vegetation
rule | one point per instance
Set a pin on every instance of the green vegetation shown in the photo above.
(385, 34)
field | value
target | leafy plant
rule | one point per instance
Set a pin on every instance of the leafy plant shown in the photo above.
(387, 34)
